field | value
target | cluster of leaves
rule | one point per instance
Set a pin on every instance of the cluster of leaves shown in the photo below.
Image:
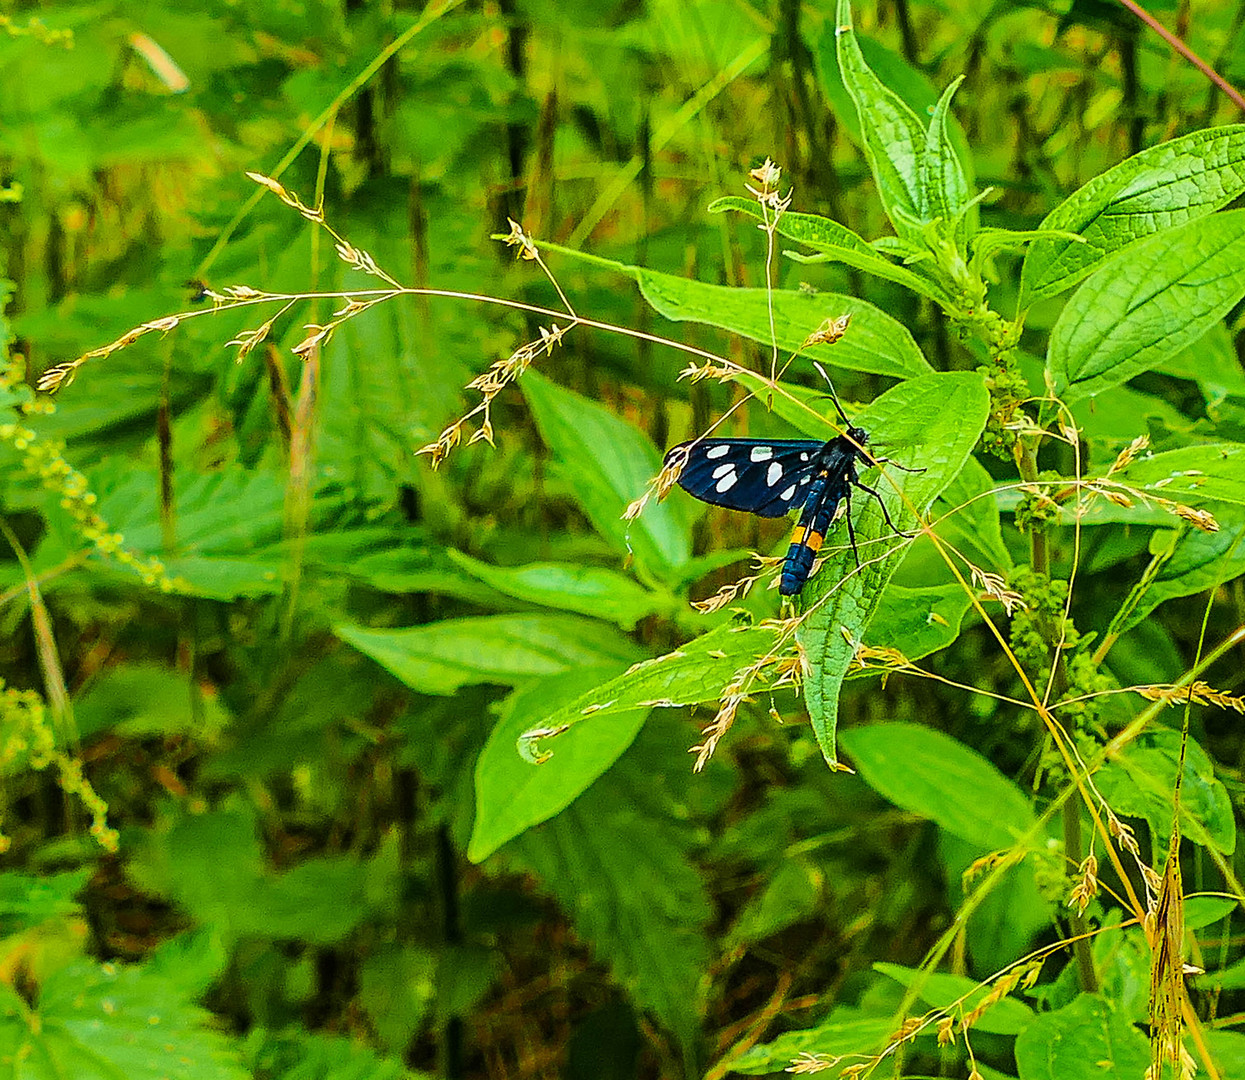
(384, 765)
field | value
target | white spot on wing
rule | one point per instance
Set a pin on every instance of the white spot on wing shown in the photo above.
(805, 478)
(762, 453)
(773, 474)
(788, 494)
(722, 470)
(727, 482)
(717, 451)
(803, 457)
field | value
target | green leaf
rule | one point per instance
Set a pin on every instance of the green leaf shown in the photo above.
(26, 900)
(848, 1032)
(441, 657)
(940, 990)
(587, 590)
(1198, 561)
(137, 700)
(513, 794)
(1147, 303)
(836, 243)
(693, 673)
(918, 621)
(1213, 471)
(876, 342)
(1087, 1040)
(1139, 781)
(893, 137)
(968, 514)
(929, 773)
(606, 463)
(795, 892)
(1163, 186)
(619, 861)
(934, 420)
(943, 183)
(112, 1021)
(1211, 362)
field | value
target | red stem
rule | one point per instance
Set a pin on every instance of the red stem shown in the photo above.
(1186, 52)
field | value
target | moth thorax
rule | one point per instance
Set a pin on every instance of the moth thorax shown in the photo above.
(858, 435)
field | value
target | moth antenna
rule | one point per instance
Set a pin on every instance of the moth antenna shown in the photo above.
(833, 396)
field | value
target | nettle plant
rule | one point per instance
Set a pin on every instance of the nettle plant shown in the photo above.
(1155, 266)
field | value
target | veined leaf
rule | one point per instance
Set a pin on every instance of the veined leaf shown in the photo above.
(1198, 561)
(943, 182)
(836, 243)
(941, 990)
(1147, 304)
(104, 1021)
(1087, 1040)
(513, 794)
(587, 590)
(1163, 186)
(607, 463)
(917, 622)
(876, 343)
(846, 1032)
(940, 417)
(927, 772)
(1140, 779)
(440, 657)
(892, 136)
(693, 673)
(1214, 471)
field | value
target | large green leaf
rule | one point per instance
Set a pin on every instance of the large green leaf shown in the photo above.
(588, 590)
(512, 793)
(835, 243)
(607, 463)
(891, 134)
(1160, 187)
(1147, 303)
(934, 420)
(1087, 1040)
(112, 1022)
(1214, 471)
(918, 621)
(1197, 561)
(941, 990)
(876, 342)
(440, 657)
(1139, 781)
(847, 1031)
(929, 773)
(692, 674)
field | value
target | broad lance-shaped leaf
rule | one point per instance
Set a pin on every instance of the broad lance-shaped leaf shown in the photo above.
(941, 990)
(927, 772)
(894, 138)
(1213, 471)
(513, 794)
(836, 243)
(1148, 303)
(1197, 561)
(440, 657)
(1163, 186)
(943, 184)
(933, 423)
(606, 463)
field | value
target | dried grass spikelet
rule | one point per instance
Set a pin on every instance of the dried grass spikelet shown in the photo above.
(1199, 519)
(708, 370)
(829, 332)
(1198, 692)
(1129, 454)
(806, 1064)
(995, 587)
(312, 214)
(712, 732)
(1164, 928)
(1086, 887)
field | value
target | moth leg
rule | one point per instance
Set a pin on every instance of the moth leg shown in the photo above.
(851, 532)
(893, 462)
(897, 531)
